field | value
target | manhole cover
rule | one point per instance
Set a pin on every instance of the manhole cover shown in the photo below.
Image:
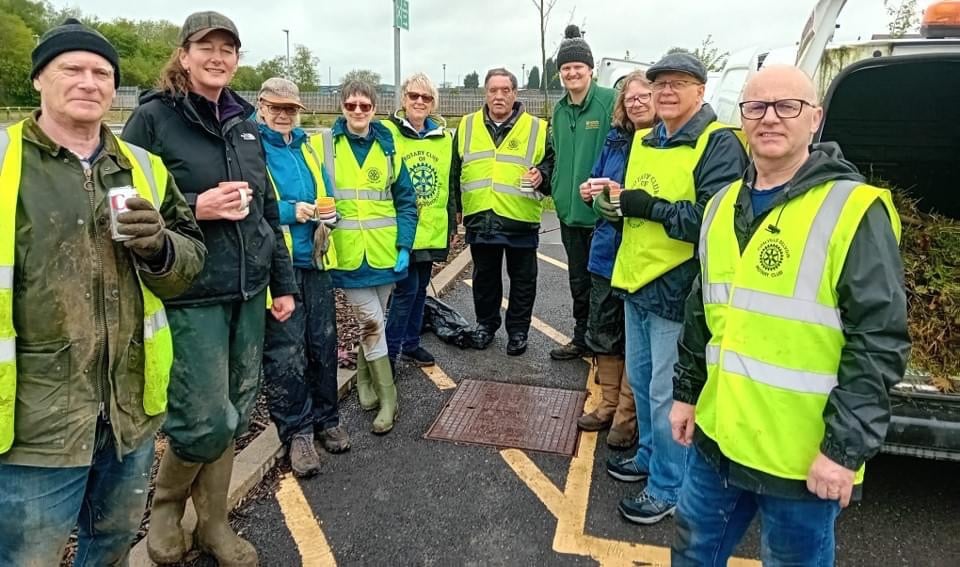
(511, 415)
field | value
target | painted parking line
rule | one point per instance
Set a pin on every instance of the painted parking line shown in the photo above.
(439, 377)
(304, 527)
(552, 260)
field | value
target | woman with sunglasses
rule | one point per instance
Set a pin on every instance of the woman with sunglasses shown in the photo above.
(426, 147)
(199, 127)
(300, 354)
(633, 110)
(374, 236)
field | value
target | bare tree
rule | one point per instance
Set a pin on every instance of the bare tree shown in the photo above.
(544, 7)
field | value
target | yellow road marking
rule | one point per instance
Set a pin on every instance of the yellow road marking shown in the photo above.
(439, 377)
(304, 526)
(553, 261)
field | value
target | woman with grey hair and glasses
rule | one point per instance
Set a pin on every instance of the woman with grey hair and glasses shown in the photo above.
(426, 147)
(374, 237)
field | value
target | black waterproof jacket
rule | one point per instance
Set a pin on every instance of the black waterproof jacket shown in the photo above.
(201, 151)
(873, 308)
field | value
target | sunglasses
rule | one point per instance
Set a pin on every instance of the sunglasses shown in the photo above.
(353, 106)
(413, 97)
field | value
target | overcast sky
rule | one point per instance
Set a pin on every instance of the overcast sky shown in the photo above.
(479, 34)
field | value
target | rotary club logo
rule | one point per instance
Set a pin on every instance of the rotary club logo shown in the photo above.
(513, 144)
(425, 183)
(773, 253)
(374, 175)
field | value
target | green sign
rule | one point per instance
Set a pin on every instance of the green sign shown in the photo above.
(401, 14)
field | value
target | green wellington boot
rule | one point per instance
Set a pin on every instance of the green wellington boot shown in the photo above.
(166, 540)
(365, 390)
(214, 534)
(386, 391)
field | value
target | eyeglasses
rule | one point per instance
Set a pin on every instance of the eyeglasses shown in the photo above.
(274, 110)
(363, 106)
(638, 99)
(675, 85)
(785, 108)
(413, 97)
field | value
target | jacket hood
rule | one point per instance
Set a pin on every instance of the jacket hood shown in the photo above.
(618, 135)
(435, 124)
(383, 136)
(826, 163)
(173, 99)
(518, 109)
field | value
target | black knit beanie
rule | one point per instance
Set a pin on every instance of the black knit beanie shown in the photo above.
(72, 35)
(574, 49)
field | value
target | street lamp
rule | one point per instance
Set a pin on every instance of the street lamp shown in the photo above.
(443, 85)
(523, 73)
(287, 32)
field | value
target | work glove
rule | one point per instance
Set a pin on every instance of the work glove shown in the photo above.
(145, 224)
(403, 261)
(607, 210)
(321, 243)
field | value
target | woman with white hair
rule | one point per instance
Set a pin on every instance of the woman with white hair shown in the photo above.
(426, 147)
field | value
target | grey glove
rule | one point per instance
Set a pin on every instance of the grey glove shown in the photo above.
(321, 243)
(145, 225)
(606, 209)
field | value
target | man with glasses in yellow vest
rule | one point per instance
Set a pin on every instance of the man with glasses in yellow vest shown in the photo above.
(793, 336)
(85, 350)
(502, 163)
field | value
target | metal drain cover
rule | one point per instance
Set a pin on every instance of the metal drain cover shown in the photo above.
(511, 415)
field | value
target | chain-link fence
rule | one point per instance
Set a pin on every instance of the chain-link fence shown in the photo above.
(453, 102)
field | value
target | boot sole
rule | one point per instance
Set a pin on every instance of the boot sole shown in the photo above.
(369, 408)
(305, 474)
(646, 520)
(593, 427)
(396, 415)
(418, 363)
(628, 477)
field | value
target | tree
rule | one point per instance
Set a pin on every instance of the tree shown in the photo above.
(246, 79)
(303, 69)
(471, 80)
(677, 50)
(544, 7)
(363, 75)
(904, 16)
(710, 55)
(16, 89)
(533, 81)
(551, 75)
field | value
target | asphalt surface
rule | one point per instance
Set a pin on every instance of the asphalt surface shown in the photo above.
(405, 500)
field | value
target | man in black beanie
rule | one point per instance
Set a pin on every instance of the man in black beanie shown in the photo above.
(85, 349)
(581, 121)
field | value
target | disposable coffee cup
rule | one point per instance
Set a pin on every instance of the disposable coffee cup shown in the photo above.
(615, 195)
(326, 209)
(597, 184)
(526, 185)
(242, 188)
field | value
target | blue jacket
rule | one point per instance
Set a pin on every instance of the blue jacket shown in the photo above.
(404, 200)
(612, 163)
(295, 184)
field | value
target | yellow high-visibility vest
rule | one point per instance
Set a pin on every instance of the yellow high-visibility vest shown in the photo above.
(428, 162)
(150, 181)
(777, 333)
(490, 175)
(647, 252)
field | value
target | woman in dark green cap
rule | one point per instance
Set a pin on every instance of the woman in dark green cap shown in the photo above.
(198, 127)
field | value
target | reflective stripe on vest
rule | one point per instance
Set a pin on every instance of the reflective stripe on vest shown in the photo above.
(490, 176)
(647, 252)
(150, 180)
(364, 202)
(775, 325)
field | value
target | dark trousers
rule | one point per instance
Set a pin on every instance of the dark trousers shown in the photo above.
(576, 241)
(405, 317)
(605, 333)
(300, 360)
(488, 286)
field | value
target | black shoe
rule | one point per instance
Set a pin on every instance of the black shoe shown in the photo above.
(517, 344)
(625, 469)
(419, 357)
(645, 509)
(570, 351)
(481, 338)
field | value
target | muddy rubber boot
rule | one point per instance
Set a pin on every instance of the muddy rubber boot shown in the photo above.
(609, 369)
(365, 391)
(623, 431)
(214, 534)
(166, 540)
(387, 392)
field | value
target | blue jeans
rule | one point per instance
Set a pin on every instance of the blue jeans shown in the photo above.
(651, 354)
(713, 515)
(406, 310)
(40, 506)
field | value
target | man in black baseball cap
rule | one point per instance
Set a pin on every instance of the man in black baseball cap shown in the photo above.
(199, 24)
(671, 174)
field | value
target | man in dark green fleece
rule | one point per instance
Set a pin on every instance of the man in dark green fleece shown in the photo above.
(580, 124)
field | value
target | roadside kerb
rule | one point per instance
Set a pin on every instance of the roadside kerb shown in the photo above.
(252, 464)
